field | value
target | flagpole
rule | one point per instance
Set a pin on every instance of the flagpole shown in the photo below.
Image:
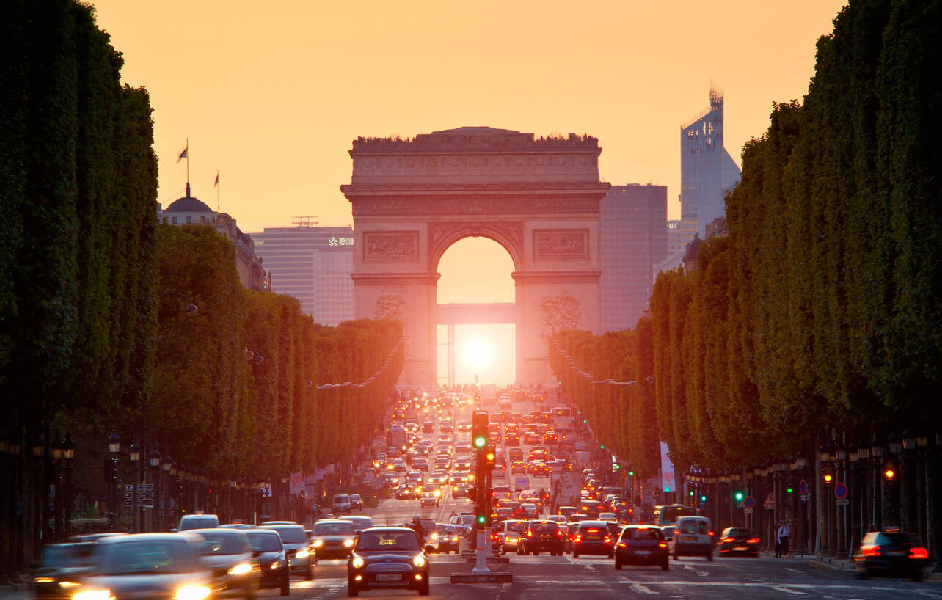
(217, 191)
(187, 166)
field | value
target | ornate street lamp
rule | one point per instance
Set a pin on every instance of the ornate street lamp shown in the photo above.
(895, 443)
(876, 447)
(909, 439)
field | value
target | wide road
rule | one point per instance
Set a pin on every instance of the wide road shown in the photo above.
(595, 578)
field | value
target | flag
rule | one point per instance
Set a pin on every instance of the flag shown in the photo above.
(217, 179)
(183, 154)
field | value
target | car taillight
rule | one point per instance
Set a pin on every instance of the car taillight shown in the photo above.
(662, 545)
(870, 550)
(752, 541)
(578, 538)
(622, 545)
(727, 539)
(711, 534)
(529, 534)
(559, 533)
(918, 553)
(607, 539)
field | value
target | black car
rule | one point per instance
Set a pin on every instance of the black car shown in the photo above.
(890, 552)
(541, 536)
(387, 557)
(332, 538)
(62, 566)
(269, 554)
(641, 545)
(592, 537)
(738, 540)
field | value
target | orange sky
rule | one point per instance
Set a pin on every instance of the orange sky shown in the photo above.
(271, 95)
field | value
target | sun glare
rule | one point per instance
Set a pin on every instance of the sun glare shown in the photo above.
(478, 354)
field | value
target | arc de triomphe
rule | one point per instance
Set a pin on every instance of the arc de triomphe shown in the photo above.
(538, 198)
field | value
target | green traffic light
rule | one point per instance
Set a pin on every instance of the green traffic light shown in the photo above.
(482, 519)
(691, 492)
(702, 498)
(738, 496)
(789, 490)
(480, 442)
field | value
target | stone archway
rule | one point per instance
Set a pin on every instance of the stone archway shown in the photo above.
(538, 198)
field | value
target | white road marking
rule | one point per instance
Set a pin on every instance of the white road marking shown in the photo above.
(637, 587)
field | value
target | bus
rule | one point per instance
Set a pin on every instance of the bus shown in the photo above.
(667, 514)
(562, 417)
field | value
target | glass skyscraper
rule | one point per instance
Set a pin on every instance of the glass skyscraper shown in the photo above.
(707, 170)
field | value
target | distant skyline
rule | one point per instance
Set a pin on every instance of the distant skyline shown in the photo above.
(273, 99)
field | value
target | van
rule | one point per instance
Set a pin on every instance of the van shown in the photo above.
(341, 504)
(693, 536)
(197, 520)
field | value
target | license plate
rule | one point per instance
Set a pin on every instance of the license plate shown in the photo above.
(741, 548)
(689, 538)
(895, 553)
(643, 552)
(389, 577)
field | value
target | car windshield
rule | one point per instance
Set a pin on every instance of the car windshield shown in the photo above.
(147, 557)
(223, 544)
(333, 529)
(292, 535)
(264, 541)
(198, 523)
(375, 541)
(543, 527)
(66, 554)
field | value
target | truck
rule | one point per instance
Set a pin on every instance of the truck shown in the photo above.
(396, 437)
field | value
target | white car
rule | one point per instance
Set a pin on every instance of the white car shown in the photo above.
(341, 504)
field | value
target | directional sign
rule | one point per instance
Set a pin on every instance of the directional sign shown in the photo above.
(749, 502)
(840, 490)
(769, 501)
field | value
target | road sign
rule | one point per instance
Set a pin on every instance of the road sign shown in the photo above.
(747, 511)
(843, 501)
(840, 490)
(803, 487)
(804, 497)
(769, 501)
(749, 502)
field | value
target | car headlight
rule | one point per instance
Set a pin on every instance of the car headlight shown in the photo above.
(438, 493)
(348, 543)
(241, 569)
(358, 562)
(276, 564)
(192, 592)
(434, 535)
(92, 595)
(303, 552)
(317, 544)
(419, 560)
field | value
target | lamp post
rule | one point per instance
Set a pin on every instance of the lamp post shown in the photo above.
(56, 449)
(165, 465)
(824, 500)
(840, 508)
(114, 446)
(153, 460)
(800, 464)
(135, 455)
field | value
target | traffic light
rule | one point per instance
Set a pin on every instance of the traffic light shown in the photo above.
(479, 429)
(481, 518)
(788, 490)
(828, 478)
(690, 493)
(631, 473)
(889, 472)
(738, 495)
(703, 498)
(490, 457)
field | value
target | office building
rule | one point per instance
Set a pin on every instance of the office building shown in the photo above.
(312, 264)
(632, 239)
(707, 170)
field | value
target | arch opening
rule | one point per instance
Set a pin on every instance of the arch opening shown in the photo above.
(476, 332)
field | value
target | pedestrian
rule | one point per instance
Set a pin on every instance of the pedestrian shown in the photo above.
(784, 531)
(778, 540)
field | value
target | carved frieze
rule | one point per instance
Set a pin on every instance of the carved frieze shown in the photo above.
(509, 204)
(389, 306)
(391, 246)
(560, 312)
(553, 244)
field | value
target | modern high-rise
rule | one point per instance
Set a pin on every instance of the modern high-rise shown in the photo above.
(632, 239)
(707, 170)
(312, 264)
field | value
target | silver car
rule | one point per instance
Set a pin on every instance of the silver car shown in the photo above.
(297, 548)
(228, 554)
(147, 565)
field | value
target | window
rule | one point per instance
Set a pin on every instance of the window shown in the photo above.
(189, 219)
(174, 220)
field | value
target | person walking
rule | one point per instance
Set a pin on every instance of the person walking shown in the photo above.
(784, 532)
(778, 541)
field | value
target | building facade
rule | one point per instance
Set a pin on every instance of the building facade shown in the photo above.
(192, 211)
(633, 237)
(312, 264)
(707, 171)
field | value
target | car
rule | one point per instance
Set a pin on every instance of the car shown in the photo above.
(737, 540)
(693, 537)
(529, 510)
(269, 554)
(448, 538)
(297, 549)
(641, 545)
(228, 554)
(341, 504)
(356, 502)
(593, 537)
(430, 498)
(197, 520)
(509, 533)
(890, 552)
(60, 570)
(668, 531)
(541, 536)
(387, 557)
(518, 466)
(360, 522)
(166, 565)
(591, 507)
(332, 538)
(569, 534)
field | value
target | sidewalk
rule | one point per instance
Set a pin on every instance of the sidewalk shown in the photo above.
(834, 563)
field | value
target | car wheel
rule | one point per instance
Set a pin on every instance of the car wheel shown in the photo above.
(617, 564)
(352, 589)
(916, 575)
